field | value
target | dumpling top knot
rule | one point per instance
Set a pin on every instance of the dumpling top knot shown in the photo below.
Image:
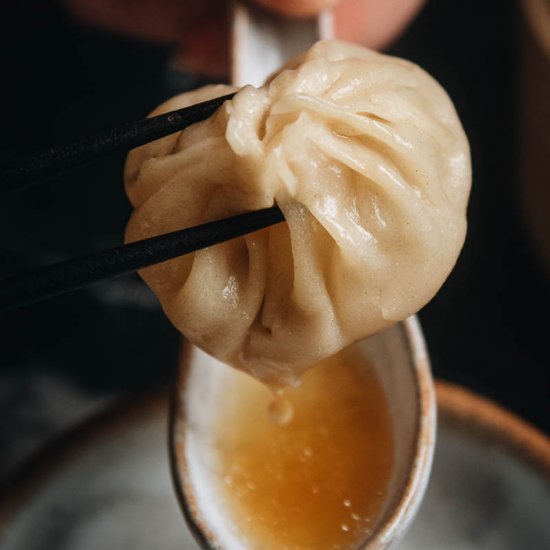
(367, 159)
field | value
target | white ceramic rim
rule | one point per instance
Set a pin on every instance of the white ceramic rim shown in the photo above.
(395, 527)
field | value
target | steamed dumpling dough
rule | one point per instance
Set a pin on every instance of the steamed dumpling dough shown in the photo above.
(366, 157)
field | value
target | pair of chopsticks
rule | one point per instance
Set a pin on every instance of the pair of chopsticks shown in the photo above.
(59, 278)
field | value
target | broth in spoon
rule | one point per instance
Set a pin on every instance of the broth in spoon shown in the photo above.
(314, 475)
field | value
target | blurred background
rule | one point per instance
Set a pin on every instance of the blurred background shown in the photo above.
(62, 78)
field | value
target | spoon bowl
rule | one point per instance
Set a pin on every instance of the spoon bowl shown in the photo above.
(401, 363)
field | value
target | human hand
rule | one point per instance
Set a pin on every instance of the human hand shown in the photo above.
(199, 29)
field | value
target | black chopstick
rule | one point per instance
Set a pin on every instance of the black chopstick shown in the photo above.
(23, 170)
(39, 284)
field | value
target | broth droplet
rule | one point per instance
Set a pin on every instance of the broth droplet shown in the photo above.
(280, 410)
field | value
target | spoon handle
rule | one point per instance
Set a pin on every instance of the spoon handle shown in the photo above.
(263, 41)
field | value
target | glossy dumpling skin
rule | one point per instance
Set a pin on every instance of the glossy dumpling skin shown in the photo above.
(367, 159)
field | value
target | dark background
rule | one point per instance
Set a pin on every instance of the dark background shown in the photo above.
(487, 329)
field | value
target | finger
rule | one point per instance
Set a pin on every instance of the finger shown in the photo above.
(297, 8)
(373, 23)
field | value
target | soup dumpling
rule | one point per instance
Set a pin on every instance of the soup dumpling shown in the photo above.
(367, 159)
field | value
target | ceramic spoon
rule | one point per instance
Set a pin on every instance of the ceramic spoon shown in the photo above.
(262, 42)
(401, 364)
